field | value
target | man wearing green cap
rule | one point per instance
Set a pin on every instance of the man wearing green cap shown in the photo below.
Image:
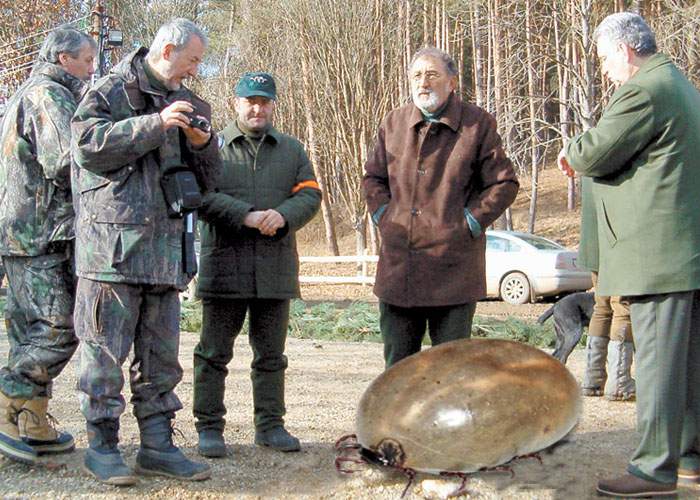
(266, 192)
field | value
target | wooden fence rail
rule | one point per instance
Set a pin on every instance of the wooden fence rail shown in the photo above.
(363, 278)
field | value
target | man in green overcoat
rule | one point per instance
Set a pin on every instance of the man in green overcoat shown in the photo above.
(643, 156)
(249, 264)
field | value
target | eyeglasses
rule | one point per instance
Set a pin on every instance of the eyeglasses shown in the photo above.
(429, 76)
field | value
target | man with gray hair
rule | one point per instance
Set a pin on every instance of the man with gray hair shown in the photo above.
(144, 153)
(36, 241)
(438, 176)
(642, 157)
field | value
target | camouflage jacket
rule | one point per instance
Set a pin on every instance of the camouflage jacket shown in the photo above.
(120, 150)
(35, 193)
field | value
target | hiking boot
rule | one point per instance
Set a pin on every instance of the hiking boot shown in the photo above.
(620, 385)
(36, 429)
(277, 438)
(158, 456)
(631, 486)
(688, 476)
(102, 459)
(594, 375)
(11, 444)
(211, 443)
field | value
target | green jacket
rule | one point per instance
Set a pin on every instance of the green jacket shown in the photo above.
(644, 158)
(239, 262)
(36, 208)
(120, 150)
(588, 240)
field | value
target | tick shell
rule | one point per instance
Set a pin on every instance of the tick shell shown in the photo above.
(467, 405)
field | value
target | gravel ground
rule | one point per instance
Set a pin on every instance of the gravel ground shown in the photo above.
(325, 381)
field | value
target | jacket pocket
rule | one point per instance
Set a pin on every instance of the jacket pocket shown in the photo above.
(127, 224)
(608, 230)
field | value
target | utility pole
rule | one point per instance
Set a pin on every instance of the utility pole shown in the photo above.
(105, 35)
(98, 32)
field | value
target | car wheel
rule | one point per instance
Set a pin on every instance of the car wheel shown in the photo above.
(515, 288)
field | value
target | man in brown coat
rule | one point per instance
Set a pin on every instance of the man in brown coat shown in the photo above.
(438, 176)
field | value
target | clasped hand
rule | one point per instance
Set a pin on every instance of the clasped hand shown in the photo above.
(265, 221)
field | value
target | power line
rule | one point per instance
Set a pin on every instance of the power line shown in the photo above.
(33, 35)
(4, 63)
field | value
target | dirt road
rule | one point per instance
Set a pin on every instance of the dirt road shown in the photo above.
(325, 381)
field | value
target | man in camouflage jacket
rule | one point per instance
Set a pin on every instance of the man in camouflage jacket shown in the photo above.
(131, 128)
(36, 233)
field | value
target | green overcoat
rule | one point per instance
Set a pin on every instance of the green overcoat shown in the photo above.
(237, 261)
(644, 158)
(588, 239)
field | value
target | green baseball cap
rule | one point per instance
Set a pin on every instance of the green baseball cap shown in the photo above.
(256, 84)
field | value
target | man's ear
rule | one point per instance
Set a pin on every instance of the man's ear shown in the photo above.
(63, 58)
(168, 51)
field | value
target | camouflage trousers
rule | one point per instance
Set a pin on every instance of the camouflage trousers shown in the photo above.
(39, 322)
(110, 318)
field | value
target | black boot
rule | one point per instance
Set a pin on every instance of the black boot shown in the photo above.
(102, 459)
(158, 456)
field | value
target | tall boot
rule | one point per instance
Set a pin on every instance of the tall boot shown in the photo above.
(36, 430)
(102, 459)
(158, 456)
(594, 375)
(269, 409)
(620, 385)
(11, 445)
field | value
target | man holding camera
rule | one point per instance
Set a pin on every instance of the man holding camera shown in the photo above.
(137, 158)
(266, 192)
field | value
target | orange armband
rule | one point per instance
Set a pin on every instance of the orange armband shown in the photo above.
(305, 184)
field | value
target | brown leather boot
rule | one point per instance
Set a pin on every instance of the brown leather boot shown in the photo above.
(631, 486)
(11, 445)
(38, 432)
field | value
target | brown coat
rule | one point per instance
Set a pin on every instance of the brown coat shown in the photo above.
(427, 174)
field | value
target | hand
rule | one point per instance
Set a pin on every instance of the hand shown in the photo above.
(174, 116)
(271, 222)
(564, 166)
(253, 219)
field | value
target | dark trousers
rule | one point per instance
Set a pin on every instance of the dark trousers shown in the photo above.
(39, 322)
(667, 338)
(222, 320)
(403, 328)
(110, 318)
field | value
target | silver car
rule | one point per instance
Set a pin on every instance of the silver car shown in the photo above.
(521, 267)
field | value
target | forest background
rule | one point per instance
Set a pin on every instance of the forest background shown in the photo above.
(341, 65)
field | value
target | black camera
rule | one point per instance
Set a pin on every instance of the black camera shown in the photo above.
(199, 122)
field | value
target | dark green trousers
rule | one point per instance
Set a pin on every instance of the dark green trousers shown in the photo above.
(403, 328)
(222, 320)
(666, 331)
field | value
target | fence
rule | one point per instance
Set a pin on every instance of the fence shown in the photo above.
(363, 278)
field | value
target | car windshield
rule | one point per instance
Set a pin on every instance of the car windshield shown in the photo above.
(540, 243)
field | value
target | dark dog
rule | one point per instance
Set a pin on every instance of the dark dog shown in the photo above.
(571, 315)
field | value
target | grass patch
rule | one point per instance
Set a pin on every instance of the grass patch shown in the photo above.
(359, 322)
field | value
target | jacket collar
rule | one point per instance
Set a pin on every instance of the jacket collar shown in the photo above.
(452, 116)
(654, 61)
(137, 84)
(232, 132)
(59, 75)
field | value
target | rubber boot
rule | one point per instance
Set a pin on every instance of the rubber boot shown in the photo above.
(277, 438)
(211, 443)
(36, 430)
(158, 456)
(102, 459)
(620, 385)
(11, 444)
(594, 375)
